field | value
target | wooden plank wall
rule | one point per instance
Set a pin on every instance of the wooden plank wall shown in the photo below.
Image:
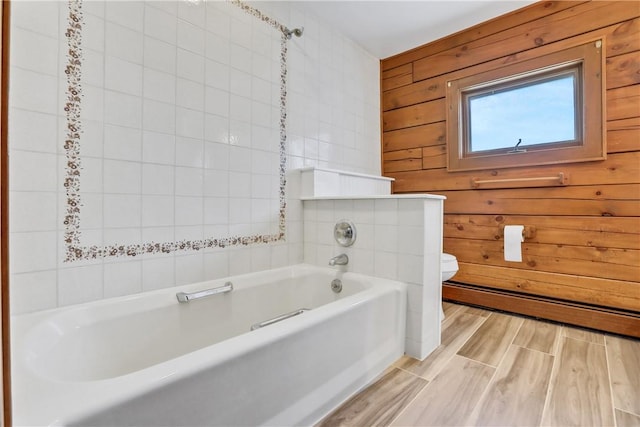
(587, 243)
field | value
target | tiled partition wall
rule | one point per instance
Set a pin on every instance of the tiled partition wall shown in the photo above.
(399, 238)
(179, 139)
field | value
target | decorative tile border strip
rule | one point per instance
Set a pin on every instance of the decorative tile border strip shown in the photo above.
(72, 110)
(73, 107)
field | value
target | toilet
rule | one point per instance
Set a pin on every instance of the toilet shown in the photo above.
(449, 268)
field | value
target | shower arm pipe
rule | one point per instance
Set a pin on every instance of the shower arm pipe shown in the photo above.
(186, 297)
(295, 32)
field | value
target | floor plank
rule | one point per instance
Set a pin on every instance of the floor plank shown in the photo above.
(477, 311)
(584, 335)
(625, 419)
(378, 404)
(448, 399)
(516, 394)
(492, 339)
(537, 335)
(449, 308)
(580, 392)
(624, 367)
(456, 329)
(594, 380)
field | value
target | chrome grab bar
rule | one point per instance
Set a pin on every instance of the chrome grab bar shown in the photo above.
(185, 297)
(278, 318)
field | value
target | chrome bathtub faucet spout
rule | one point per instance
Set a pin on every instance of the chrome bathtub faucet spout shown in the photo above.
(341, 259)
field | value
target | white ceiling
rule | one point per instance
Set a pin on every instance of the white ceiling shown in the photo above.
(386, 28)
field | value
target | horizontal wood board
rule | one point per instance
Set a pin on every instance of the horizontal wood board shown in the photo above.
(587, 243)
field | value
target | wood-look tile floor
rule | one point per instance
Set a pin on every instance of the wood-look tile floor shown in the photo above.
(495, 369)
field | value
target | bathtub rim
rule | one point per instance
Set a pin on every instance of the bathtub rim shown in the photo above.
(139, 382)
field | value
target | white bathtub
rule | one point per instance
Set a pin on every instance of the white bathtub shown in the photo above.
(146, 360)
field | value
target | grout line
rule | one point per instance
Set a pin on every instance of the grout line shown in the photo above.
(427, 382)
(61, 137)
(495, 370)
(444, 366)
(548, 391)
(142, 163)
(532, 349)
(473, 332)
(484, 392)
(625, 411)
(477, 361)
(554, 371)
(408, 372)
(504, 355)
(611, 395)
(557, 346)
(174, 138)
(585, 331)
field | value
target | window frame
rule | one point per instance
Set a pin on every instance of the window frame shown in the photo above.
(590, 146)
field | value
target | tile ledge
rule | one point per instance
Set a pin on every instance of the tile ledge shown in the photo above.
(347, 173)
(383, 196)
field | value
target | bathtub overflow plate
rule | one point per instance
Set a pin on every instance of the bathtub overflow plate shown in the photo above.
(336, 285)
(345, 233)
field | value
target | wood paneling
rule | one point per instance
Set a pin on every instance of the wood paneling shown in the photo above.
(613, 200)
(415, 115)
(587, 243)
(419, 136)
(622, 141)
(621, 38)
(623, 102)
(396, 77)
(513, 19)
(617, 169)
(434, 157)
(623, 70)
(609, 232)
(548, 29)
(398, 71)
(605, 263)
(423, 91)
(624, 38)
(410, 159)
(568, 287)
(623, 135)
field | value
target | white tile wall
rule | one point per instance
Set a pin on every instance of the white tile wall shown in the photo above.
(178, 139)
(397, 238)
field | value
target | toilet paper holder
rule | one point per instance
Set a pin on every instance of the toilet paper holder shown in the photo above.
(529, 231)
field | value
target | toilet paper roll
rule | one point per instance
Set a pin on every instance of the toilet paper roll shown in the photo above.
(513, 242)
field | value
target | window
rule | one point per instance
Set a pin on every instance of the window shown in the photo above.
(540, 111)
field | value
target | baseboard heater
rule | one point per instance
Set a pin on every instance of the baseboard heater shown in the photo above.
(604, 319)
